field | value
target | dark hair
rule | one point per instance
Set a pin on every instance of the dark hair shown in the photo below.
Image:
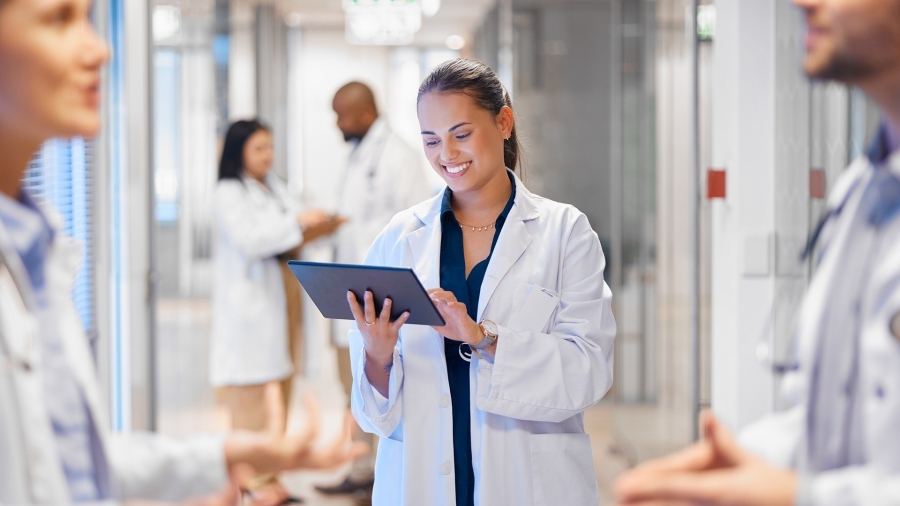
(477, 80)
(231, 166)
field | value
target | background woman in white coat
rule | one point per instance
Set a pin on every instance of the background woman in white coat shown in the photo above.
(55, 443)
(256, 220)
(487, 409)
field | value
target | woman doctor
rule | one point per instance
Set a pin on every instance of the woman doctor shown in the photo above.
(489, 408)
(256, 220)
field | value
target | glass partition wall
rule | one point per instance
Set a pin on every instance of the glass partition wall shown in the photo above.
(190, 53)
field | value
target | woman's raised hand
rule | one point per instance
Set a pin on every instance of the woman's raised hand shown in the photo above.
(459, 325)
(379, 333)
(317, 224)
(379, 337)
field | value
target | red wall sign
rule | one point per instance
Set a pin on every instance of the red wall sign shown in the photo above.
(715, 183)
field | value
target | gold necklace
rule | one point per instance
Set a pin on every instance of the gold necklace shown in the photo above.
(477, 229)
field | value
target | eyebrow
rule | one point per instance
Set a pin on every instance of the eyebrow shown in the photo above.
(464, 123)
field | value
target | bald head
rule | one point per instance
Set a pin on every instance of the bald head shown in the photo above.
(354, 104)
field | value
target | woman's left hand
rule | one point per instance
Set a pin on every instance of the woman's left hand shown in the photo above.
(459, 325)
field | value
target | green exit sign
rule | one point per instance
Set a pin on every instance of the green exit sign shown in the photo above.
(706, 22)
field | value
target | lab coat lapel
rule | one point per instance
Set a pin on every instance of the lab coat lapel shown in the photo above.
(16, 268)
(63, 261)
(425, 244)
(513, 241)
(19, 344)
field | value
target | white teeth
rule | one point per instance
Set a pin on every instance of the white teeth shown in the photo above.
(458, 168)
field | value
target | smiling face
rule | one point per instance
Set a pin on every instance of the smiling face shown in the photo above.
(51, 59)
(463, 142)
(853, 41)
(258, 155)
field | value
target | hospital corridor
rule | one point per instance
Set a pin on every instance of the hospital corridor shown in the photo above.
(450, 252)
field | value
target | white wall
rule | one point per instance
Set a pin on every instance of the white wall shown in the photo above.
(242, 61)
(326, 63)
(139, 185)
(761, 138)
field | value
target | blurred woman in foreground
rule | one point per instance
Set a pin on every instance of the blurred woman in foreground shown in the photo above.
(55, 446)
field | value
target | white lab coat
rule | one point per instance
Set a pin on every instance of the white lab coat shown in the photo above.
(780, 438)
(248, 338)
(383, 176)
(141, 465)
(544, 288)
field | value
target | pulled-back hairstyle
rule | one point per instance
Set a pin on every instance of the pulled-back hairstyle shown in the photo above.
(231, 166)
(478, 81)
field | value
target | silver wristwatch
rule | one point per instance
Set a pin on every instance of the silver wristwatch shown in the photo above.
(490, 331)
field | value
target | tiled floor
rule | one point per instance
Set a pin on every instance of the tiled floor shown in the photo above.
(620, 434)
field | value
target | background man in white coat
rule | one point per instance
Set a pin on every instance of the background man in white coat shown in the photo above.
(841, 444)
(383, 176)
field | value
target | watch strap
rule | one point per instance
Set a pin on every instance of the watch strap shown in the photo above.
(488, 339)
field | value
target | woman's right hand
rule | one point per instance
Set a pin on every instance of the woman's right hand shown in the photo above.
(380, 336)
(316, 224)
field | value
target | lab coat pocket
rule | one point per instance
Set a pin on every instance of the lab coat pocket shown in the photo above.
(535, 306)
(563, 470)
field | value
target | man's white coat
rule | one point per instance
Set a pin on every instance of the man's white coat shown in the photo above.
(875, 440)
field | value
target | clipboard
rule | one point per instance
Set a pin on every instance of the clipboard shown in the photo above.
(327, 285)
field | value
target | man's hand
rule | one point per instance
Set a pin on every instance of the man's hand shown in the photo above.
(274, 452)
(715, 471)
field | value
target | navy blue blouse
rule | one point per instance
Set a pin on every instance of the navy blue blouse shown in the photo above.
(467, 291)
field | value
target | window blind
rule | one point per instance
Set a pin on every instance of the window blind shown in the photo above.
(59, 177)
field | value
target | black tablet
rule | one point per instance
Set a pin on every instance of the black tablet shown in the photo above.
(327, 286)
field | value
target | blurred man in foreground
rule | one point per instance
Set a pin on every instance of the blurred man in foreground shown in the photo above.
(841, 444)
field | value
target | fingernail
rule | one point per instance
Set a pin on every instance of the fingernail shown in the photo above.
(387, 300)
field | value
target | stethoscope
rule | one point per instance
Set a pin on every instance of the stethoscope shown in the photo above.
(877, 219)
(789, 300)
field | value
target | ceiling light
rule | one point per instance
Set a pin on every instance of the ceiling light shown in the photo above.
(455, 42)
(166, 22)
(381, 22)
(430, 7)
(293, 19)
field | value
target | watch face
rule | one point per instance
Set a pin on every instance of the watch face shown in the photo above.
(490, 327)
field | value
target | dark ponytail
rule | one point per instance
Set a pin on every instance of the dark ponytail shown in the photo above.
(477, 80)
